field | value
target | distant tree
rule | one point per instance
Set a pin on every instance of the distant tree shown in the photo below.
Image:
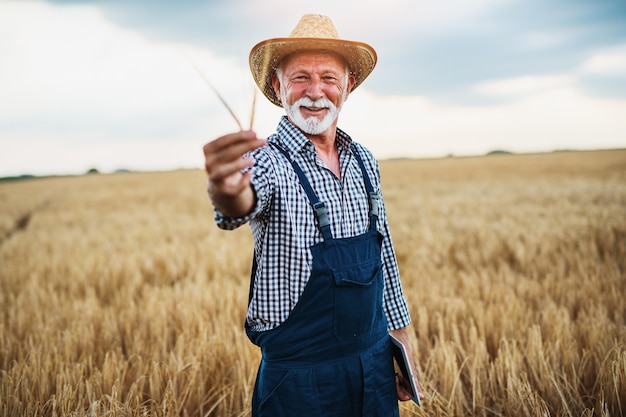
(499, 152)
(93, 171)
(17, 178)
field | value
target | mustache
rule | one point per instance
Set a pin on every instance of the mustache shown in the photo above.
(319, 103)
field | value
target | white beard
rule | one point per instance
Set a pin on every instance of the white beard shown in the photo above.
(311, 125)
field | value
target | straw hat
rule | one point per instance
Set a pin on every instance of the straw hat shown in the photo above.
(313, 32)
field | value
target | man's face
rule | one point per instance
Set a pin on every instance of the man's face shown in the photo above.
(313, 87)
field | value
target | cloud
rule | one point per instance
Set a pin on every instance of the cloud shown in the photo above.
(74, 84)
(523, 86)
(548, 116)
(610, 62)
(74, 60)
(437, 48)
(79, 91)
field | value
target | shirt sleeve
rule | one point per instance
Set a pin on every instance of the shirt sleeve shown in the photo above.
(394, 303)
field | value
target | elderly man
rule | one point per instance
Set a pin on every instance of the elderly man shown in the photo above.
(325, 291)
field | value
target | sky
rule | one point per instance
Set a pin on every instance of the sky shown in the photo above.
(111, 84)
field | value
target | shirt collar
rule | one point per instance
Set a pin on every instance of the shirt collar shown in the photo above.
(292, 138)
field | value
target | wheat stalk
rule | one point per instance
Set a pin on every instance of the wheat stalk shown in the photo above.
(220, 97)
(253, 109)
(212, 87)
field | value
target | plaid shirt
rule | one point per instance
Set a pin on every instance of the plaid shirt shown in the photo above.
(284, 226)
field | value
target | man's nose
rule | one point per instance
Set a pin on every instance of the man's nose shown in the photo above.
(314, 90)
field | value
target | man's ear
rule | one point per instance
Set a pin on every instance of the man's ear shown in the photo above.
(349, 85)
(276, 85)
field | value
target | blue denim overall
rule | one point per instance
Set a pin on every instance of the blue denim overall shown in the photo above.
(332, 356)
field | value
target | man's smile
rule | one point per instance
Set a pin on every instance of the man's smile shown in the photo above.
(314, 109)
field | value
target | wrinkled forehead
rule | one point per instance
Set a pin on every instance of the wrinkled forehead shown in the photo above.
(304, 58)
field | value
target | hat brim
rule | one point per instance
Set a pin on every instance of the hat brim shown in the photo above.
(265, 57)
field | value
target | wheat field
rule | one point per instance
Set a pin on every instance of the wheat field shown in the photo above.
(120, 297)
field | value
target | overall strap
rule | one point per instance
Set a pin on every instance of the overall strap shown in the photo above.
(373, 197)
(319, 207)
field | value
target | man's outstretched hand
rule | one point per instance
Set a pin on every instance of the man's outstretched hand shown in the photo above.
(229, 188)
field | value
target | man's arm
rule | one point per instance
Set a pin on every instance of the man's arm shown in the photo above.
(230, 190)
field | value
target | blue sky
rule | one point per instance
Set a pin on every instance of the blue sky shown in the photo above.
(108, 84)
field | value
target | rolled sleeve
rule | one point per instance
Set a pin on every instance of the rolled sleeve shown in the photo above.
(394, 303)
(231, 223)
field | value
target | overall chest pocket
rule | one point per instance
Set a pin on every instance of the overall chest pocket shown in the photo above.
(358, 293)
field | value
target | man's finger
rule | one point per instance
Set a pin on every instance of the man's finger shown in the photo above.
(222, 172)
(230, 140)
(229, 151)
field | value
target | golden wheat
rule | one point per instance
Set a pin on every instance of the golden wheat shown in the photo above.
(119, 297)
